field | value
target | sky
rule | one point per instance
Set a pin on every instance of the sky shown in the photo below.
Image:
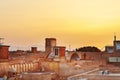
(26, 23)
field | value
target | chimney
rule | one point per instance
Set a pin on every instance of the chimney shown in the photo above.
(4, 51)
(34, 49)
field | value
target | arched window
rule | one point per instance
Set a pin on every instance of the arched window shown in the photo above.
(75, 56)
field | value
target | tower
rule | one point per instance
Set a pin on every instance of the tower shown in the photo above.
(116, 44)
(114, 37)
(34, 49)
(4, 52)
(50, 43)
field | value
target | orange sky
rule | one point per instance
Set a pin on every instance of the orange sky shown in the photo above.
(26, 23)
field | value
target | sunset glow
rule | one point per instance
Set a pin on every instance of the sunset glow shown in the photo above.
(25, 23)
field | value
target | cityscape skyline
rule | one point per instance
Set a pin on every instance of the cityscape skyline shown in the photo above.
(77, 23)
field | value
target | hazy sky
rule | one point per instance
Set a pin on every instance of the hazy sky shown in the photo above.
(26, 23)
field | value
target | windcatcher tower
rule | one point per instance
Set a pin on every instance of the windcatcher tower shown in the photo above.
(50, 43)
(116, 44)
(34, 49)
(4, 50)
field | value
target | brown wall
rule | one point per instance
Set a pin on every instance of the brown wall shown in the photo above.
(4, 67)
(34, 49)
(50, 66)
(4, 52)
(62, 51)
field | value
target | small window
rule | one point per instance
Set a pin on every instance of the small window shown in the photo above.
(56, 51)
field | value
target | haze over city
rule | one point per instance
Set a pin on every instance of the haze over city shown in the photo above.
(25, 23)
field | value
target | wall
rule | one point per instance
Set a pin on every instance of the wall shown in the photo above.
(50, 66)
(4, 52)
(4, 67)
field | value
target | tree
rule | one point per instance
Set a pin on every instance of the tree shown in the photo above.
(88, 49)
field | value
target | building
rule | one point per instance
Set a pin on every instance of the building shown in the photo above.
(109, 49)
(4, 51)
(115, 47)
(59, 51)
(56, 61)
(50, 43)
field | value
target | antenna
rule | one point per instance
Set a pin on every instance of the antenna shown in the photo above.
(114, 36)
(1, 41)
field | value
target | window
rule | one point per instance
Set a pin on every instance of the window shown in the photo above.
(56, 51)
